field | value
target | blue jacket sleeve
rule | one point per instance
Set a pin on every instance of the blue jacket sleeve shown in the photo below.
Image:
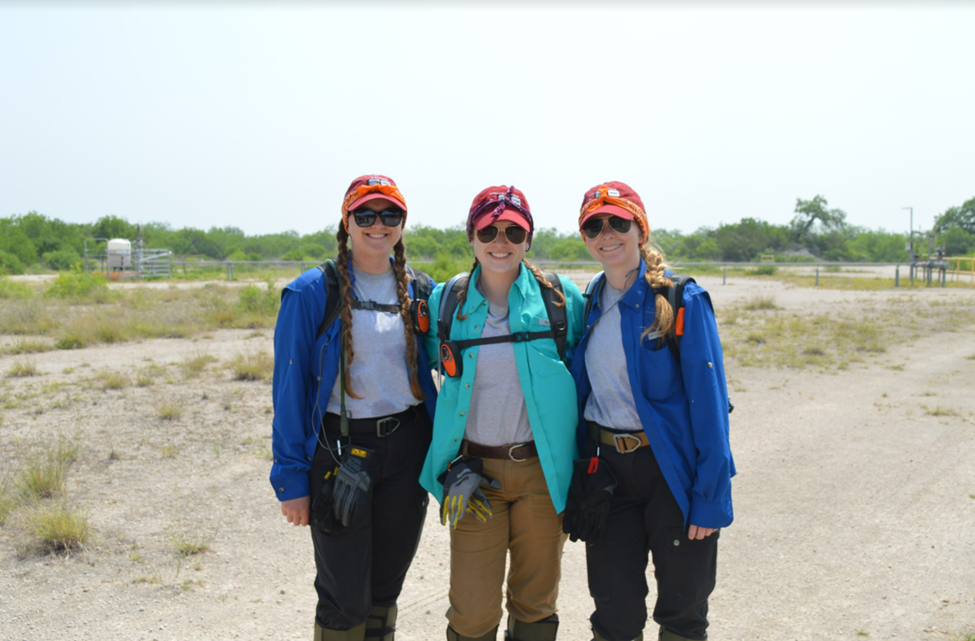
(294, 341)
(702, 369)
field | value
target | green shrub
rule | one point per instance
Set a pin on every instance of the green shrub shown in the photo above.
(75, 283)
(58, 529)
(14, 289)
(62, 259)
(253, 300)
(10, 264)
(252, 367)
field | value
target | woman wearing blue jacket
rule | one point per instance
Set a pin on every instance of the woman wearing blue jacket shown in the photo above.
(653, 405)
(504, 432)
(350, 429)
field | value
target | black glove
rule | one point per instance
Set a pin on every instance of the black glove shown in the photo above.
(322, 485)
(590, 492)
(462, 491)
(353, 484)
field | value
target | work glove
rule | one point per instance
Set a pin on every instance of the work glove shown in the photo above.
(322, 484)
(462, 493)
(587, 506)
(352, 485)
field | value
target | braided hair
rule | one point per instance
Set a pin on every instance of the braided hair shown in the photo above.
(664, 317)
(344, 264)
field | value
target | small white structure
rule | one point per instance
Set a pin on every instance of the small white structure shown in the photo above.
(119, 255)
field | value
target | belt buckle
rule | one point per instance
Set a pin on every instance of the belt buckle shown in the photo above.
(383, 421)
(620, 439)
(511, 453)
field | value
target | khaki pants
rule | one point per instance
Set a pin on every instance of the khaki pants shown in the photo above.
(525, 523)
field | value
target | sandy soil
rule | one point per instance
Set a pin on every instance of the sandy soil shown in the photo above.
(855, 504)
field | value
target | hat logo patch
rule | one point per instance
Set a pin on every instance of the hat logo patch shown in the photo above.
(613, 192)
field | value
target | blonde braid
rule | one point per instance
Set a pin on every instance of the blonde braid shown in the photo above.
(462, 294)
(664, 317)
(344, 265)
(540, 277)
(402, 291)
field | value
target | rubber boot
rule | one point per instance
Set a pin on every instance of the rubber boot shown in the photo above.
(543, 630)
(599, 637)
(490, 636)
(381, 624)
(667, 635)
(358, 633)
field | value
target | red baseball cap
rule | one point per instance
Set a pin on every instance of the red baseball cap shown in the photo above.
(373, 179)
(512, 202)
(613, 189)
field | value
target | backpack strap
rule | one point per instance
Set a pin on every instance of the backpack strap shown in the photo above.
(557, 316)
(422, 283)
(675, 296)
(590, 294)
(332, 298)
(448, 304)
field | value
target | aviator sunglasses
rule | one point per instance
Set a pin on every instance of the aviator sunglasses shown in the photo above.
(391, 217)
(515, 234)
(594, 226)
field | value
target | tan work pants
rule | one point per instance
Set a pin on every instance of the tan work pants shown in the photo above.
(524, 523)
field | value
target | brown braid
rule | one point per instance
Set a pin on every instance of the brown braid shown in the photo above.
(664, 317)
(462, 294)
(540, 277)
(402, 291)
(344, 265)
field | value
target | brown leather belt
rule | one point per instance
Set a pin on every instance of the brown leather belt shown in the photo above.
(624, 442)
(516, 452)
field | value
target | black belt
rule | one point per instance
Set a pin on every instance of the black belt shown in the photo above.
(381, 426)
(517, 452)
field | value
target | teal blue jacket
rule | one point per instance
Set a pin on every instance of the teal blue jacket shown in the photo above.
(550, 392)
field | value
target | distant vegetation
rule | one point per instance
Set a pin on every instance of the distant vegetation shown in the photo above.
(33, 242)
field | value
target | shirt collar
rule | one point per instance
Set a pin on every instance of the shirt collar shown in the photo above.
(522, 284)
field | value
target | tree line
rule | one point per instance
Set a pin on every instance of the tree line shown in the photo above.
(32, 242)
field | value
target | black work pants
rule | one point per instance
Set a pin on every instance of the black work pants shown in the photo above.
(365, 564)
(644, 519)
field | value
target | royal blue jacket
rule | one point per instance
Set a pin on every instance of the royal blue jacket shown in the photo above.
(683, 407)
(305, 368)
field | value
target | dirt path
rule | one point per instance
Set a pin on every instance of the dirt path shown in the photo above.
(854, 501)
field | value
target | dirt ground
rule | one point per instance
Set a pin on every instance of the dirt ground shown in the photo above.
(854, 502)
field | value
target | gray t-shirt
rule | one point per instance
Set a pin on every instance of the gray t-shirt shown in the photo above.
(498, 415)
(380, 374)
(611, 402)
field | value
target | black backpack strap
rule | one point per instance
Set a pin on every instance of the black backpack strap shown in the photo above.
(373, 306)
(448, 304)
(332, 298)
(422, 284)
(675, 296)
(557, 316)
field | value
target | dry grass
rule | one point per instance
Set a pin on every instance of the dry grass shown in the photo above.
(939, 411)
(113, 380)
(45, 469)
(170, 451)
(169, 410)
(22, 369)
(195, 365)
(55, 528)
(28, 346)
(8, 501)
(761, 303)
(257, 366)
(187, 545)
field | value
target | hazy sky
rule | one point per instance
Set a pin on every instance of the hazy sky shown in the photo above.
(259, 119)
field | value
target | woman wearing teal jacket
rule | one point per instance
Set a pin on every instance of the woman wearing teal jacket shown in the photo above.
(504, 430)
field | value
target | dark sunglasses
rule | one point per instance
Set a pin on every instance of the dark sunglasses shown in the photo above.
(515, 234)
(391, 217)
(594, 226)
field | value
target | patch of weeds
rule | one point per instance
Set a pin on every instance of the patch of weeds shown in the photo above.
(187, 545)
(256, 366)
(971, 358)
(899, 367)
(192, 367)
(928, 393)
(45, 469)
(761, 303)
(135, 557)
(68, 370)
(155, 579)
(113, 380)
(755, 339)
(169, 410)
(56, 528)
(861, 633)
(939, 411)
(14, 289)
(22, 369)
(255, 334)
(264, 453)
(170, 451)
(28, 346)
(7, 501)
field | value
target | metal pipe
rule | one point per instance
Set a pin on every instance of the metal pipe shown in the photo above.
(724, 275)
(817, 277)
(897, 276)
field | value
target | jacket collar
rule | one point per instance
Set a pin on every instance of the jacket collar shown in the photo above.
(522, 284)
(634, 295)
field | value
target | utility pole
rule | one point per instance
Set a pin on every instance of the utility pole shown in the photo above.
(911, 249)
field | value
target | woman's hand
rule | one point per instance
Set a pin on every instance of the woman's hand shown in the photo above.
(296, 510)
(695, 532)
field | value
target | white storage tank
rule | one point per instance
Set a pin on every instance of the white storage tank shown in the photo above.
(119, 254)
